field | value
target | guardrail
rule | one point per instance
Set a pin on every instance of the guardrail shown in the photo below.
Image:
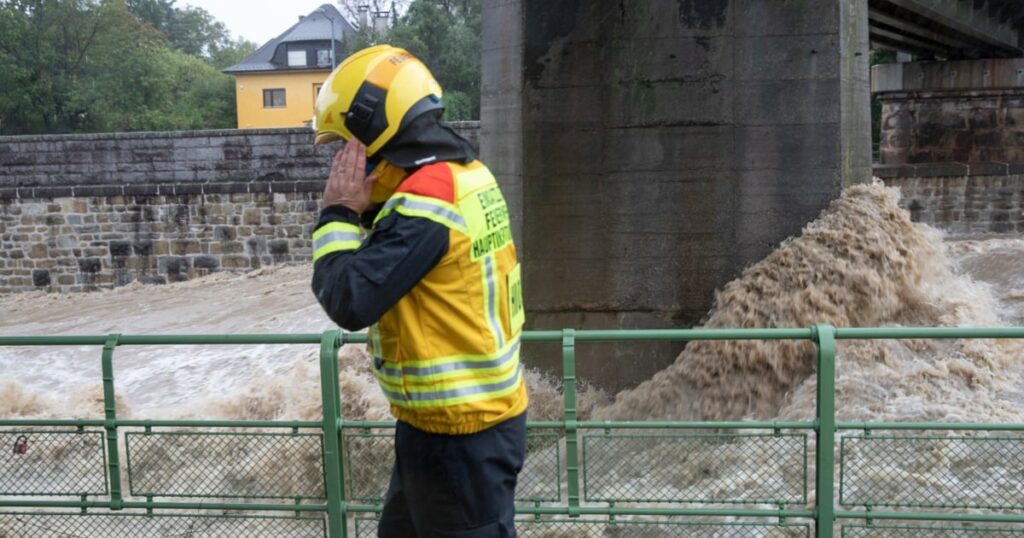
(327, 477)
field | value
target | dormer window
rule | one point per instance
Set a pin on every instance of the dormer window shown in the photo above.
(296, 58)
(323, 58)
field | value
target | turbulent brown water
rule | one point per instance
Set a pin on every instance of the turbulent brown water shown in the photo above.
(861, 263)
(228, 382)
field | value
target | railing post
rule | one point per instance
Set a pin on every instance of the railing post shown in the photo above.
(337, 526)
(572, 468)
(110, 421)
(824, 508)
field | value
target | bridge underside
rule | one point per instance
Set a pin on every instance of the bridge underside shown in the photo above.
(948, 29)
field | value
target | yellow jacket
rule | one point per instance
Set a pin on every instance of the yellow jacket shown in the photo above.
(439, 281)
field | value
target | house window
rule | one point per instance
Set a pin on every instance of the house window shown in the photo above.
(323, 58)
(316, 91)
(273, 98)
(296, 58)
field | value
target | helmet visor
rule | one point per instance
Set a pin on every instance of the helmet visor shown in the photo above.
(327, 138)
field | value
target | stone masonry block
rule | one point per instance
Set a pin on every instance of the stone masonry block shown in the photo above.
(173, 264)
(40, 278)
(206, 262)
(182, 247)
(90, 265)
(252, 216)
(236, 262)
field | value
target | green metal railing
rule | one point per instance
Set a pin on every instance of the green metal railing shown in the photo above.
(683, 478)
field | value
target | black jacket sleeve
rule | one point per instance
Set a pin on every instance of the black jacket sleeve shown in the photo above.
(356, 287)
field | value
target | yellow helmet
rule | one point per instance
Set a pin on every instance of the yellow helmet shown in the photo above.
(372, 95)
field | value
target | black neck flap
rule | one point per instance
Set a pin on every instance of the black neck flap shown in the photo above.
(426, 140)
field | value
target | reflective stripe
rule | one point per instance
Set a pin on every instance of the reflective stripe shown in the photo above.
(454, 366)
(460, 358)
(469, 379)
(391, 395)
(457, 395)
(491, 301)
(422, 206)
(335, 236)
(334, 246)
(335, 226)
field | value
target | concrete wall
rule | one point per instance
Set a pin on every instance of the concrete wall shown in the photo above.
(666, 144)
(79, 212)
(501, 101)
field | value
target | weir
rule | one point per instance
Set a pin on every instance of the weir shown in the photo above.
(326, 478)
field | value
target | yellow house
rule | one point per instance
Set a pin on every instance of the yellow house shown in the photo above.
(276, 86)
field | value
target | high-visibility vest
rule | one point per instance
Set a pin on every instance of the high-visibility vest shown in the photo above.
(447, 354)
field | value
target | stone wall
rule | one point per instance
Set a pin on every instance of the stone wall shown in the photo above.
(984, 199)
(969, 111)
(968, 127)
(79, 212)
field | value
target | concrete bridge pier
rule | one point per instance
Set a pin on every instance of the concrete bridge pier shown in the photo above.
(651, 150)
(967, 113)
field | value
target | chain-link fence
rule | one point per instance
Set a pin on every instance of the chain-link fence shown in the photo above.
(541, 477)
(625, 473)
(927, 531)
(48, 462)
(584, 528)
(694, 467)
(369, 457)
(932, 471)
(73, 525)
(226, 464)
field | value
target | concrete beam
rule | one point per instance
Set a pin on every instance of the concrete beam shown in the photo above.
(962, 20)
(948, 76)
(915, 35)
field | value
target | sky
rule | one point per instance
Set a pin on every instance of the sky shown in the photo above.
(257, 20)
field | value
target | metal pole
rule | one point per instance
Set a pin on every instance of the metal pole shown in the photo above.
(333, 64)
(572, 467)
(824, 508)
(331, 22)
(110, 422)
(336, 508)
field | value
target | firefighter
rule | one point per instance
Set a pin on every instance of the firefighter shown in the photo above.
(421, 253)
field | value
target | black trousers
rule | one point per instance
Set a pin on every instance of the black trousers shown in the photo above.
(454, 485)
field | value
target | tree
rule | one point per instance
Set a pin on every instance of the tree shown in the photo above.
(231, 53)
(93, 65)
(445, 35)
(189, 29)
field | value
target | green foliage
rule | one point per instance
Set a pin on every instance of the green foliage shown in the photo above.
(445, 35)
(230, 53)
(113, 65)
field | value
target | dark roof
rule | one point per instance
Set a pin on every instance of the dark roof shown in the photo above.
(312, 27)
